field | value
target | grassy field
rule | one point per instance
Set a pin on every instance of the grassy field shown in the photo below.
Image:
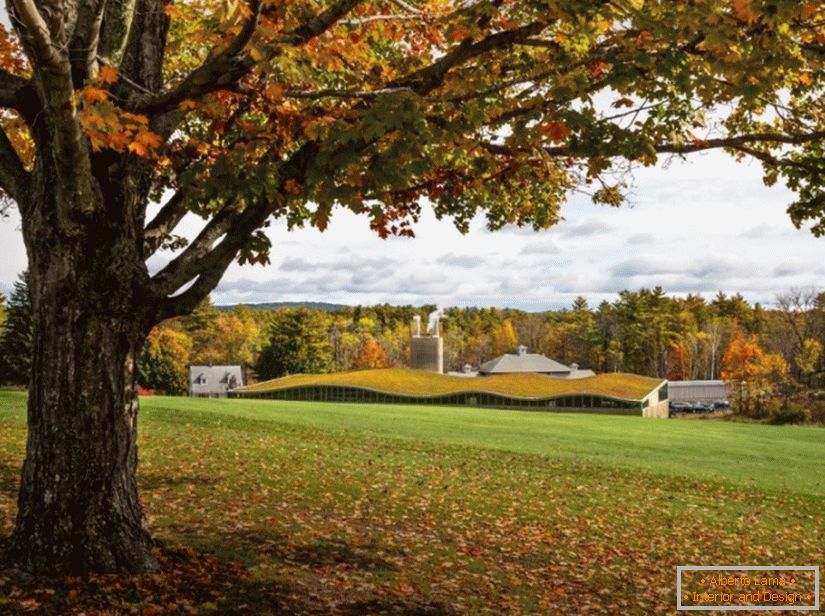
(421, 383)
(341, 509)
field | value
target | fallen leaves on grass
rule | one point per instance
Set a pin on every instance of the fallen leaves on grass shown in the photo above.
(277, 519)
(188, 582)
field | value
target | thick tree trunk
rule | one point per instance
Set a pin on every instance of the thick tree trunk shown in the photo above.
(78, 507)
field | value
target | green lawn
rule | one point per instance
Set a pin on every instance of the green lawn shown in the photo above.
(341, 509)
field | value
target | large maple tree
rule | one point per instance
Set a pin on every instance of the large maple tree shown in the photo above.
(246, 111)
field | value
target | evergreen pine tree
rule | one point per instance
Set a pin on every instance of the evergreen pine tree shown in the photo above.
(298, 343)
(16, 336)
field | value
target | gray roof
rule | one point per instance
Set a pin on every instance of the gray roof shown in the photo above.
(695, 391)
(524, 362)
(696, 383)
(214, 379)
(581, 374)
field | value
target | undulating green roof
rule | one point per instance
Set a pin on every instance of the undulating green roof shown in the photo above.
(421, 383)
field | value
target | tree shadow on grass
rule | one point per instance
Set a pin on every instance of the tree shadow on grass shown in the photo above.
(310, 596)
(157, 481)
(325, 552)
(195, 582)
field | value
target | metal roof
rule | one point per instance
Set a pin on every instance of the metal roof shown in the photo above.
(214, 379)
(523, 362)
(695, 383)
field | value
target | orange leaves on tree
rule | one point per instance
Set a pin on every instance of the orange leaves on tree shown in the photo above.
(144, 144)
(750, 370)
(108, 73)
(274, 91)
(19, 134)
(458, 35)
(317, 128)
(624, 101)
(370, 355)
(597, 68)
(108, 126)
(292, 187)
(91, 94)
(11, 58)
(556, 131)
(743, 10)
(321, 217)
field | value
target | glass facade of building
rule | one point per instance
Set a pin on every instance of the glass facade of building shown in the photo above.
(337, 393)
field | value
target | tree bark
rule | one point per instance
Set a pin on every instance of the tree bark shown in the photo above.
(78, 506)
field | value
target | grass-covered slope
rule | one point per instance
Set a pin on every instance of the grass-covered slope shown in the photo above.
(346, 510)
(421, 383)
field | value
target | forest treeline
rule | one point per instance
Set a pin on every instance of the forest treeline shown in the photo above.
(645, 332)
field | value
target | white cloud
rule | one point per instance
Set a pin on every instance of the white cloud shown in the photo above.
(695, 227)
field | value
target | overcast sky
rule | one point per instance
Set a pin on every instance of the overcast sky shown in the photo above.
(699, 226)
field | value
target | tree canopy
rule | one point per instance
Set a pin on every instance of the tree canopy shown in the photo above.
(244, 111)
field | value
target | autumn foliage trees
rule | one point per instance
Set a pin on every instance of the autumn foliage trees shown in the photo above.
(751, 373)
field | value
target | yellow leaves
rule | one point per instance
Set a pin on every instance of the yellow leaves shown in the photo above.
(315, 129)
(18, 132)
(806, 78)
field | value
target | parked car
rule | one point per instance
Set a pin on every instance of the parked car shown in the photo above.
(679, 408)
(703, 407)
(720, 404)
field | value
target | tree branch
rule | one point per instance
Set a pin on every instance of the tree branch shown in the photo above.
(360, 21)
(739, 142)
(230, 65)
(52, 80)
(85, 39)
(333, 93)
(36, 33)
(114, 31)
(322, 22)
(14, 91)
(430, 77)
(176, 274)
(14, 179)
(217, 72)
(143, 51)
(205, 263)
(164, 223)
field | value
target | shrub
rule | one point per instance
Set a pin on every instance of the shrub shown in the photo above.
(792, 413)
(816, 410)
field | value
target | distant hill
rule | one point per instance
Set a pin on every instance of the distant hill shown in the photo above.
(275, 305)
